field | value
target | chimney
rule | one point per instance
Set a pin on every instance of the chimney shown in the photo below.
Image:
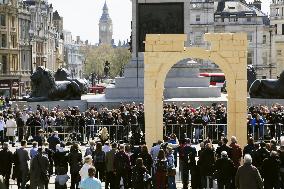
(257, 4)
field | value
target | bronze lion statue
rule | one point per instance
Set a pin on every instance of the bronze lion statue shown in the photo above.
(44, 87)
(268, 88)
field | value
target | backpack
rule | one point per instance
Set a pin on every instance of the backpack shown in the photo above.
(161, 166)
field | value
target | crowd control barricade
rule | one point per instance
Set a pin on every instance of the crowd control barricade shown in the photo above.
(266, 131)
(196, 132)
(115, 132)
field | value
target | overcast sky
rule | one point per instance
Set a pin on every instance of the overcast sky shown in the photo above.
(82, 17)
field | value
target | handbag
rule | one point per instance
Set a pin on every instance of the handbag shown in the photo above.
(44, 176)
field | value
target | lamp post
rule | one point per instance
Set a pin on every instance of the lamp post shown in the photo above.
(31, 35)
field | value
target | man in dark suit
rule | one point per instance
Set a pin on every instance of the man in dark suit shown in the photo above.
(23, 157)
(6, 159)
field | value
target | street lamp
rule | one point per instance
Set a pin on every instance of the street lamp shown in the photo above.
(31, 35)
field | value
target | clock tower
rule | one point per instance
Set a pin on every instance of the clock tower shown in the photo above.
(105, 27)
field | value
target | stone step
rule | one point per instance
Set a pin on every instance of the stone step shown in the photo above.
(192, 92)
(170, 82)
(180, 92)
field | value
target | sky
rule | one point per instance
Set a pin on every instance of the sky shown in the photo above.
(81, 17)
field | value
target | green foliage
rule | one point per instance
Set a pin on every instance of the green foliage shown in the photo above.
(97, 56)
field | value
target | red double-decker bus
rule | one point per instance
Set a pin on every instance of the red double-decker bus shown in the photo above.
(216, 79)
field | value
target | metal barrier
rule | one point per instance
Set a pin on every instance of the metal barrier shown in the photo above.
(266, 131)
(196, 131)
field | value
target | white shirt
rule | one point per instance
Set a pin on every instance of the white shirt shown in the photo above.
(155, 151)
(2, 125)
(84, 171)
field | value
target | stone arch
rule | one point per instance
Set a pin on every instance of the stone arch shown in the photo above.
(228, 51)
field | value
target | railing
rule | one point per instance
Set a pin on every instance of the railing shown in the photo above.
(196, 132)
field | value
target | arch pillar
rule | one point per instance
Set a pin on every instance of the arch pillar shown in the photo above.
(228, 51)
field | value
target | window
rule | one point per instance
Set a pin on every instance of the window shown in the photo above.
(264, 39)
(14, 41)
(277, 11)
(197, 18)
(248, 19)
(3, 40)
(2, 1)
(250, 37)
(198, 39)
(13, 21)
(2, 20)
(249, 58)
(275, 29)
(4, 64)
(282, 29)
(279, 52)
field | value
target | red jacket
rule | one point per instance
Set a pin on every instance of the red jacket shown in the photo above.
(236, 154)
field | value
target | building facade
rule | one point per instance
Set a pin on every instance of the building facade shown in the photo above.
(42, 34)
(10, 68)
(277, 25)
(73, 58)
(105, 27)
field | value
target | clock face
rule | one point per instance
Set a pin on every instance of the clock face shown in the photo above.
(103, 28)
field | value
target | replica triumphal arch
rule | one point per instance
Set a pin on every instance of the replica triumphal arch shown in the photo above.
(228, 51)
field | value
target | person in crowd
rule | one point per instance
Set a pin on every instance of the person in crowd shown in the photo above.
(161, 169)
(2, 126)
(91, 149)
(224, 147)
(106, 147)
(88, 163)
(121, 166)
(22, 158)
(247, 176)
(53, 140)
(260, 155)
(20, 125)
(236, 155)
(2, 185)
(6, 159)
(109, 161)
(138, 175)
(50, 155)
(273, 145)
(61, 157)
(250, 147)
(187, 155)
(146, 157)
(281, 157)
(155, 150)
(271, 171)
(171, 168)
(99, 161)
(33, 150)
(11, 127)
(75, 163)
(39, 170)
(91, 182)
(224, 171)
(206, 164)
(61, 178)
(39, 138)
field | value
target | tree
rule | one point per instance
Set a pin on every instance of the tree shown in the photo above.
(98, 55)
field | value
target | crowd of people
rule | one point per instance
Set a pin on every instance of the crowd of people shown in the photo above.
(196, 123)
(138, 167)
